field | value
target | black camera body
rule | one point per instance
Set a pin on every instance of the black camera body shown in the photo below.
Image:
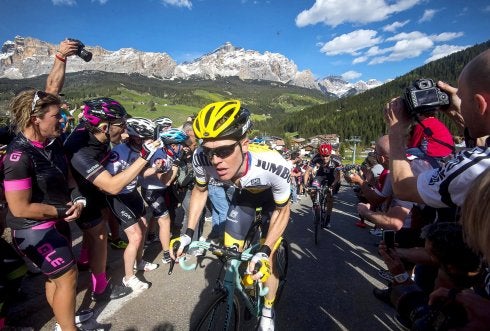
(82, 52)
(424, 96)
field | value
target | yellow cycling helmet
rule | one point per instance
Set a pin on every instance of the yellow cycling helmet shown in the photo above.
(223, 119)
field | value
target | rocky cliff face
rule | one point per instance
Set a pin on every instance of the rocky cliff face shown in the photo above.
(28, 57)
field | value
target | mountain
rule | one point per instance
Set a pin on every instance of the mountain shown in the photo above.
(29, 57)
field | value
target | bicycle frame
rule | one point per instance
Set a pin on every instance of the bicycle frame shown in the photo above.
(231, 283)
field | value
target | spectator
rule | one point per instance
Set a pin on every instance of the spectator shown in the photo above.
(39, 217)
(448, 185)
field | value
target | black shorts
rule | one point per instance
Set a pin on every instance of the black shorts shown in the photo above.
(241, 214)
(156, 201)
(48, 246)
(91, 215)
(128, 208)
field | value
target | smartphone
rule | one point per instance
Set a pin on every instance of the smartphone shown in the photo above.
(389, 238)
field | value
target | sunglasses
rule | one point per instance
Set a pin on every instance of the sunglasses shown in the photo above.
(221, 152)
(39, 95)
(119, 124)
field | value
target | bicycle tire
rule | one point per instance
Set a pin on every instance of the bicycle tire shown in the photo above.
(317, 215)
(282, 263)
(214, 317)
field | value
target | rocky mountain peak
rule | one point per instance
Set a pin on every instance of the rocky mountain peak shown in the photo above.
(29, 57)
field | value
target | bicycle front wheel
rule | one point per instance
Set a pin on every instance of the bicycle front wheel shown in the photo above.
(218, 316)
(316, 221)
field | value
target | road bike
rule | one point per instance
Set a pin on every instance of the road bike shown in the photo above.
(234, 303)
(319, 208)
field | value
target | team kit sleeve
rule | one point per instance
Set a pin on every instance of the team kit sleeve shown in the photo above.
(18, 172)
(448, 186)
(86, 166)
(200, 175)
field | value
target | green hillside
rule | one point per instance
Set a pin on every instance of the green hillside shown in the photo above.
(362, 115)
(151, 97)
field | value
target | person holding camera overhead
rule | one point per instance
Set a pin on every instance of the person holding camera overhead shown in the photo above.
(469, 107)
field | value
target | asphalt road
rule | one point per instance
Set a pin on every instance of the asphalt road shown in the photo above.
(329, 285)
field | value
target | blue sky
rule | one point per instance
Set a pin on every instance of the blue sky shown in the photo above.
(358, 39)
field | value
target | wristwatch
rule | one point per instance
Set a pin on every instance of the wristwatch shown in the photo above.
(401, 278)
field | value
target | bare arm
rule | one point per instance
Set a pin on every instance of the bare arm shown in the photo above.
(454, 111)
(56, 77)
(114, 184)
(393, 219)
(404, 181)
(20, 205)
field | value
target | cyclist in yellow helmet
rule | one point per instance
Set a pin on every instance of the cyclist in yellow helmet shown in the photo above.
(261, 178)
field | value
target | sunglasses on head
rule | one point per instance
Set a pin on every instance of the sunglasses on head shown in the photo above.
(221, 152)
(37, 96)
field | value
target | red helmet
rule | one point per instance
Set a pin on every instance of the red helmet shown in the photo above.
(325, 149)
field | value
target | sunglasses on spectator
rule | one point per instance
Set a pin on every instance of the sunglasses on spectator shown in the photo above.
(222, 152)
(39, 95)
(120, 124)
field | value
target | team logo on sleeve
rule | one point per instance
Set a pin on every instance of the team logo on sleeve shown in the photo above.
(113, 157)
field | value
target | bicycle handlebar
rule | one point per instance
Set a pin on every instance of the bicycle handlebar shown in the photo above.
(220, 251)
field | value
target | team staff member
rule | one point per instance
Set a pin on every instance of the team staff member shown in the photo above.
(88, 148)
(261, 177)
(42, 198)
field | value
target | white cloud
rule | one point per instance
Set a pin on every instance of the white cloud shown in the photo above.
(351, 42)
(394, 26)
(336, 12)
(446, 36)
(64, 2)
(428, 15)
(178, 3)
(487, 8)
(404, 49)
(360, 59)
(351, 74)
(407, 35)
(102, 2)
(375, 50)
(444, 50)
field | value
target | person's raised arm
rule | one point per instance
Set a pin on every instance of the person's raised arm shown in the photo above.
(56, 77)
(404, 181)
(454, 110)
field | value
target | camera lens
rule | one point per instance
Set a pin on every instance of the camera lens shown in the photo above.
(85, 55)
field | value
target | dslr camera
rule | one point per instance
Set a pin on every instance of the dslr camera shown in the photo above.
(82, 52)
(424, 96)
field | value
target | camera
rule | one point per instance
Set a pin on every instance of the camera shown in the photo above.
(414, 312)
(424, 96)
(82, 52)
(389, 238)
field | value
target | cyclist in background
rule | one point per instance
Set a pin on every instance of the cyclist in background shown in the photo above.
(157, 180)
(261, 178)
(328, 175)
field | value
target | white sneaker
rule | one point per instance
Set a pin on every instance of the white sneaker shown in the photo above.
(145, 266)
(267, 320)
(135, 283)
(80, 317)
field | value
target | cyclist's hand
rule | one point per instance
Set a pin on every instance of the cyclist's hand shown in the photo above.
(149, 148)
(179, 245)
(260, 267)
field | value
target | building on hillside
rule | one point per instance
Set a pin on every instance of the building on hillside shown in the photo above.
(332, 139)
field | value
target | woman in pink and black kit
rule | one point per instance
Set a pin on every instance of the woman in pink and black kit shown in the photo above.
(42, 198)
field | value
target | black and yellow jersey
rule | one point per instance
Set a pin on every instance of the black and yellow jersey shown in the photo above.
(266, 169)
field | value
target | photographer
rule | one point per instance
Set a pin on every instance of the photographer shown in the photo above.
(446, 186)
